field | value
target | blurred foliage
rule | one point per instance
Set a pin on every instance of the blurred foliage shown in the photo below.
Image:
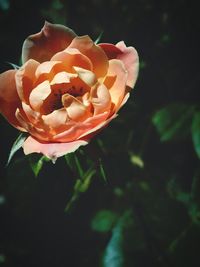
(132, 196)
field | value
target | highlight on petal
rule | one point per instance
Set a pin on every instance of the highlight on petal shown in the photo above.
(87, 76)
(39, 94)
(117, 91)
(9, 99)
(50, 40)
(100, 99)
(97, 56)
(51, 150)
(131, 61)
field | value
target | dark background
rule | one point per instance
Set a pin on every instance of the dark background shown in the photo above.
(153, 211)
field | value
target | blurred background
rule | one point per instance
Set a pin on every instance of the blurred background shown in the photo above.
(137, 203)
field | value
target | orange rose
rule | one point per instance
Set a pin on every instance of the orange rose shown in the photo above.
(67, 89)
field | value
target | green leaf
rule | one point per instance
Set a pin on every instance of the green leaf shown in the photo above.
(16, 67)
(196, 132)
(16, 146)
(104, 221)
(86, 181)
(173, 121)
(81, 186)
(37, 164)
(74, 164)
(99, 38)
(114, 254)
(102, 171)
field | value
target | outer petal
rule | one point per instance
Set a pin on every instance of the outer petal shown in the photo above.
(9, 99)
(117, 91)
(111, 50)
(51, 150)
(50, 40)
(25, 78)
(131, 61)
(97, 56)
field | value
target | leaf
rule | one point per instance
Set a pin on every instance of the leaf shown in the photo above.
(114, 253)
(85, 182)
(16, 67)
(196, 132)
(4, 4)
(74, 164)
(103, 221)
(102, 171)
(16, 146)
(173, 121)
(81, 186)
(99, 37)
(37, 164)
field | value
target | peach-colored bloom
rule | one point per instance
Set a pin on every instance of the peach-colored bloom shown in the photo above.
(67, 89)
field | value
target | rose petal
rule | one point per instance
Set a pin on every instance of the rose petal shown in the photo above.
(62, 77)
(71, 57)
(75, 109)
(25, 77)
(97, 56)
(100, 99)
(9, 99)
(46, 68)
(87, 76)
(50, 40)
(39, 94)
(81, 128)
(111, 50)
(41, 133)
(89, 134)
(131, 61)
(117, 91)
(56, 119)
(33, 116)
(51, 150)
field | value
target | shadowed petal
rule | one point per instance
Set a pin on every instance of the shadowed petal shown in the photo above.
(51, 150)
(9, 99)
(50, 40)
(111, 50)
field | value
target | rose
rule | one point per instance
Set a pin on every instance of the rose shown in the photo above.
(67, 89)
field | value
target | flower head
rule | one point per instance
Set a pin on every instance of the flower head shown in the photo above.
(67, 89)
